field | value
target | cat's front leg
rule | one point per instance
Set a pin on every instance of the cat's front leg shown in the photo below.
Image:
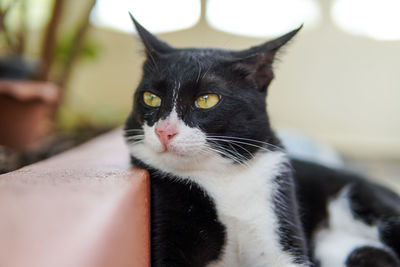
(185, 230)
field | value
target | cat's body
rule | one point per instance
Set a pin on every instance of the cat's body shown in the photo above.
(222, 187)
(347, 219)
(237, 217)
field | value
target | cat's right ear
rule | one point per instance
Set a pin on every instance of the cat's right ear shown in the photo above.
(257, 61)
(153, 45)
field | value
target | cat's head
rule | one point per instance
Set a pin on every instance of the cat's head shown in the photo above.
(197, 106)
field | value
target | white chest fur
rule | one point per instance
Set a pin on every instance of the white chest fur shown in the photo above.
(243, 199)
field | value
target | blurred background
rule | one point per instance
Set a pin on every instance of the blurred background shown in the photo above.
(337, 83)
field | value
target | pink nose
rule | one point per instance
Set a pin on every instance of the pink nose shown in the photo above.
(165, 132)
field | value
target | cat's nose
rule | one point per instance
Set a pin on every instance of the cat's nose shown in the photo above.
(165, 132)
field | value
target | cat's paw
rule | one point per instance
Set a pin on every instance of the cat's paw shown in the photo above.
(372, 257)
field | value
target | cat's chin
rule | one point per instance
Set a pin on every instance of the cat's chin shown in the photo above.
(177, 163)
(170, 155)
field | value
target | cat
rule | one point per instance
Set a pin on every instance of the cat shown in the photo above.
(223, 190)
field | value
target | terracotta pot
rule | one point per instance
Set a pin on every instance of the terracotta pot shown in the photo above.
(25, 111)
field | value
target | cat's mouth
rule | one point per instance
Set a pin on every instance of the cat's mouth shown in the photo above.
(183, 152)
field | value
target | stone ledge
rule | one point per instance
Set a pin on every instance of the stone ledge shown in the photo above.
(83, 208)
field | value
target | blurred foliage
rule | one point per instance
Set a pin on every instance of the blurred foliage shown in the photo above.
(34, 24)
(68, 119)
(89, 51)
(46, 33)
(21, 22)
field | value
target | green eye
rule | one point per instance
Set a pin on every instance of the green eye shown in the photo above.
(207, 101)
(151, 99)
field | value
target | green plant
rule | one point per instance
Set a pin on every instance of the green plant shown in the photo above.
(57, 52)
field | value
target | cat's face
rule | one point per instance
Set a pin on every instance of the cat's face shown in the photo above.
(196, 107)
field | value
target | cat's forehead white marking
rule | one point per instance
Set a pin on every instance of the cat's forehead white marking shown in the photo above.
(175, 93)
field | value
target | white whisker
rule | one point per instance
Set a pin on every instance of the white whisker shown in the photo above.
(240, 159)
(135, 142)
(247, 151)
(133, 130)
(241, 140)
(134, 137)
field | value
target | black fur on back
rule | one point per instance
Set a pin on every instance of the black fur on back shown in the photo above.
(316, 185)
(370, 203)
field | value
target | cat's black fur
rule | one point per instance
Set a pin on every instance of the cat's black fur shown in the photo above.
(371, 203)
(371, 257)
(185, 228)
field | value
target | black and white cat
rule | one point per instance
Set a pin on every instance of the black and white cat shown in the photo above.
(223, 191)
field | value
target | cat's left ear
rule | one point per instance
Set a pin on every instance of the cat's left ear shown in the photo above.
(257, 61)
(153, 45)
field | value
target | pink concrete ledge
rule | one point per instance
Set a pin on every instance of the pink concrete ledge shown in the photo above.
(84, 208)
